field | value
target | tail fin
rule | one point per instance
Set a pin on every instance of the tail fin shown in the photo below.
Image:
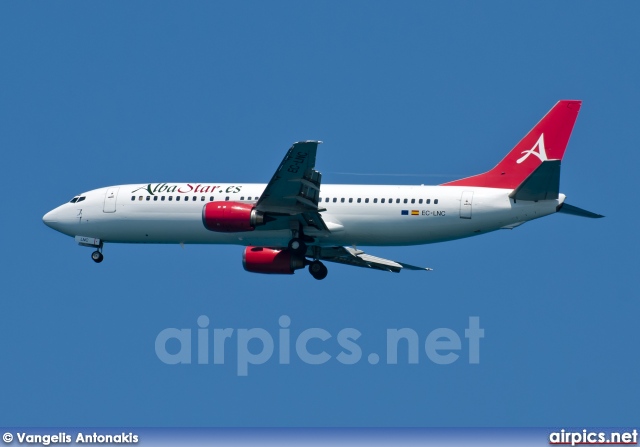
(546, 141)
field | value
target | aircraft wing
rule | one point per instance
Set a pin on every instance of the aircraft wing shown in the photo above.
(358, 258)
(295, 186)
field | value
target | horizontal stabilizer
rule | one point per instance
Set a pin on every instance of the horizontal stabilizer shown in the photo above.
(542, 184)
(574, 210)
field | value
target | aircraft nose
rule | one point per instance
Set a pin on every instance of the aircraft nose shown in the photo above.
(49, 219)
(55, 219)
(62, 219)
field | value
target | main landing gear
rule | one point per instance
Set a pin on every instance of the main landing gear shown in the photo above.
(97, 256)
(318, 270)
(297, 246)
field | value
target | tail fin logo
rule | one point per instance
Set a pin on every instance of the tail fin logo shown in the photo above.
(541, 153)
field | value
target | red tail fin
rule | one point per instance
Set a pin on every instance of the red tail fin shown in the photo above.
(546, 141)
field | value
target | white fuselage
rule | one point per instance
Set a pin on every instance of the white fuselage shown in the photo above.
(356, 215)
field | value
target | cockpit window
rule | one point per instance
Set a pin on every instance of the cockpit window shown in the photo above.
(80, 199)
(74, 200)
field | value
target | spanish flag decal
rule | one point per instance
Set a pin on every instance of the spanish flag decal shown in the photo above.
(415, 212)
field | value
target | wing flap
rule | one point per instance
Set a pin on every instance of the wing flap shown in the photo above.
(358, 258)
(307, 183)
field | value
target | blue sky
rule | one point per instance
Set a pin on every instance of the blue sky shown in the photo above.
(101, 93)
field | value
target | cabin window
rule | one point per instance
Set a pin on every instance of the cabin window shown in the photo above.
(162, 199)
(202, 199)
(359, 200)
(139, 197)
(381, 200)
(194, 198)
(226, 198)
(177, 198)
(428, 201)
(211, 199)
(155, 198)
(335, 200)
(170, 198)
(132, 198)
(435, 202)
(420, 201)
(350, 200)
(406, 201)
(413, 200)
(242, 198)
(342, 200)
(148, 197)
(375, 200)
(327, 199)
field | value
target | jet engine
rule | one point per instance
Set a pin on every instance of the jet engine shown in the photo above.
(269, 260)
(231, 217)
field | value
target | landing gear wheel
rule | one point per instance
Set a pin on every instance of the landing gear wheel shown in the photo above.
(318, 270)
(97, 256)
(297, 246)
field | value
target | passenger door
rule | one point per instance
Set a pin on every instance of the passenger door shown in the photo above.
(110, 199)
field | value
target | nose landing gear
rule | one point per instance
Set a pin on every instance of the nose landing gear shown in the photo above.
(97, 257)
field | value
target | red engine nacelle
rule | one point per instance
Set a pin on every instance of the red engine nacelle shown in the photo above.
(269, 260)
(231, 217)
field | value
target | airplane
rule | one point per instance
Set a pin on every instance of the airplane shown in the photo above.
(295, 221)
